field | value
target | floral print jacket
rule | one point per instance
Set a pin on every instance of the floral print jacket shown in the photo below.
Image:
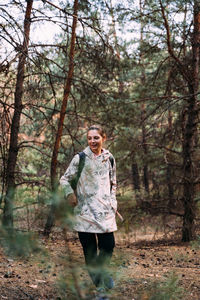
(96, 192)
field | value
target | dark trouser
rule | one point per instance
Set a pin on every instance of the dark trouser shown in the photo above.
(95, 260)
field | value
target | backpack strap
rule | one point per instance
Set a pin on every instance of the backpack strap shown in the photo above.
(111, 159)
(81, 164)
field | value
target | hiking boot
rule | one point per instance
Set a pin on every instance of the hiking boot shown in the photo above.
(109, 283)
(101, 294)
(104, 297)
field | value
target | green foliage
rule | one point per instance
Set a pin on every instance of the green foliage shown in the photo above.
(62, 208)
(19, 244)
(196, 243)
(69, 284)
(168, 290)
(66, 287)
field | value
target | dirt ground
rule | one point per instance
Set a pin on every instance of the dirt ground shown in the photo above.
(145, 266)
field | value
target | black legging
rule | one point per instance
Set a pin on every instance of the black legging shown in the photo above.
(91, 242)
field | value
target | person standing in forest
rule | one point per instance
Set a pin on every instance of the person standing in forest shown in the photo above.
(94, 198)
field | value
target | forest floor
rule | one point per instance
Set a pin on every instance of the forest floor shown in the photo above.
(147, 264)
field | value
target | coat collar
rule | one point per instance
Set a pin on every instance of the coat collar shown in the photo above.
(105, 153)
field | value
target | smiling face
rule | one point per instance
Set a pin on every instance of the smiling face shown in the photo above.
(95, 141)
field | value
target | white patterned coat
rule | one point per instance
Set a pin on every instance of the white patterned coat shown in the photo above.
(97, 204)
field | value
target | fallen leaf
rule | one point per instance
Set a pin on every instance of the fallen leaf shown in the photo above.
(40, 281)
(33, 286)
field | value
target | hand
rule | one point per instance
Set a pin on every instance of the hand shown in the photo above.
(72, 200)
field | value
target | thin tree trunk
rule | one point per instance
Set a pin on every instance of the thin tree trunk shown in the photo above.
(145, 151)
(15, 126)
(135, 171)
(170, 145)
(67, 88)
(143, 106)
(116, 45)
(136, 177)
(188, 176)
(190, 130)
(121, 83)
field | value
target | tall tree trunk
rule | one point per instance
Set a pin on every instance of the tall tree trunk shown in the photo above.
(192, 79)
(170, 145)
(15, 126)
(121, 83)
(67, 88)
(136, 178)
(135, 171)
(190, 130)
(145, 151)
(143, 106)
(116, 45)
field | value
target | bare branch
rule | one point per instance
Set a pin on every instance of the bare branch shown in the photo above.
(183, 69)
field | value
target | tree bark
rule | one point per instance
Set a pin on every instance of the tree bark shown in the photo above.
(188, 175)
(189, 135)
(168, 154)
(136, 177)
(15, 126)
(143, 105)
(67, 88)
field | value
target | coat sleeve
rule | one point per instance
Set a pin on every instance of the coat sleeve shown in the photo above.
(70, 173)
(113, 186)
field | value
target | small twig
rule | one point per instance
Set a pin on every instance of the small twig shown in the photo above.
(20, 207)
(163, 147)
(28, 295)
